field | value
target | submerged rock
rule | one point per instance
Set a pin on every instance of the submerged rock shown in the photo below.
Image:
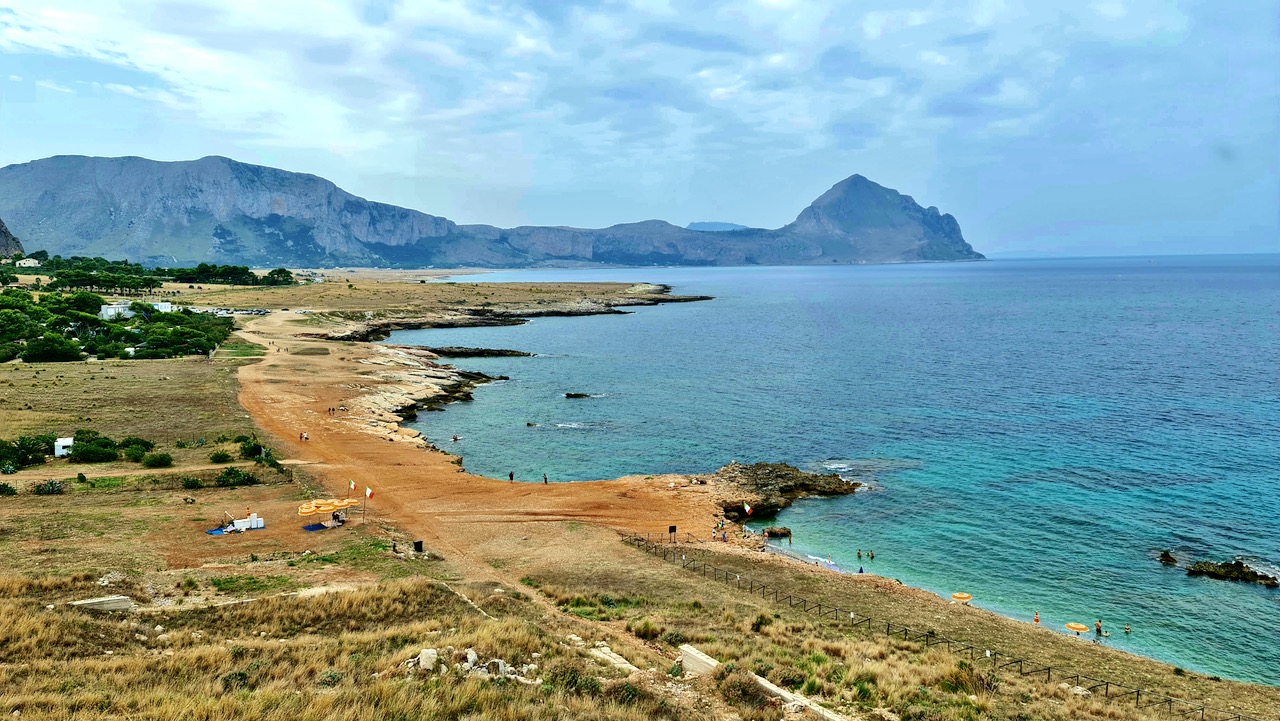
(577, 395)
(1234, 571)
(1167, 558)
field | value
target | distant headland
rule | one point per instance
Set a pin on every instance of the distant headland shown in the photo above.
(220, 210)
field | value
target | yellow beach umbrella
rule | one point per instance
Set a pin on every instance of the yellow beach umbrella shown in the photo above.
(962, 597)
(1077, 627)
(348, 502)
(307, 509)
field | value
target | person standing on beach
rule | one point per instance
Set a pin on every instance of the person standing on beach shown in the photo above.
(511, 476)
(544, 479)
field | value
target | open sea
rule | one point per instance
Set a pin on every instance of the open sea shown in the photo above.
(1038, 429)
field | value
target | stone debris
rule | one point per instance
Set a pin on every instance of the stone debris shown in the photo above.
(608, 656)
(575, 640)
(1080, 691)
(429, 660)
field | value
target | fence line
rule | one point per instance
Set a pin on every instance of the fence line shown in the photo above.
(661, 545)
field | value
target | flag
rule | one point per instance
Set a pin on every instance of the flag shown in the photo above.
(747, 507)
(351, 485)
(368, 492)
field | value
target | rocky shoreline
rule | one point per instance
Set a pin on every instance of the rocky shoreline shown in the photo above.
(769, 487)
(640, 294)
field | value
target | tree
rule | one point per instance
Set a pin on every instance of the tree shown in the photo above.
(15, 325)
(279, 276)
(7, 277)
(40, 255)
(50, 348)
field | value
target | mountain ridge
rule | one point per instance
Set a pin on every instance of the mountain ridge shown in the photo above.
(9, 243)
(216, 209)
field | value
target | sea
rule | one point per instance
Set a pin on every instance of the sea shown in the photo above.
(1033, 432)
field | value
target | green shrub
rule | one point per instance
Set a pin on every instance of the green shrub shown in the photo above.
(240, 439)
(231, 477)
(48, 488)
(134, 453)
(157, 460)
(7, 490)
(760, 622)
(192, 483)
(250, 450)
(645, 629)
(80, 478)
(219, 457)
(136, 441)
(573, 676)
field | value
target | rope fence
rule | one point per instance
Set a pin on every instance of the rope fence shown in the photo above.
(662, 545)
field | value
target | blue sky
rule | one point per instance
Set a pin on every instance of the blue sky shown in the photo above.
(1045, 127)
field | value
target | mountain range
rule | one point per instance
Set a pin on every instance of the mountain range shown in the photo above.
(220, 210)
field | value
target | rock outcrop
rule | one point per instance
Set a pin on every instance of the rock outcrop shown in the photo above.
(770, 487)
(222, 211)
(1234, 571)
(8, 243)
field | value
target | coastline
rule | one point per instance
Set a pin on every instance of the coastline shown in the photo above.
(435, 497)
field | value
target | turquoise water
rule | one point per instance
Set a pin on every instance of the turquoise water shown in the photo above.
(1038, 429)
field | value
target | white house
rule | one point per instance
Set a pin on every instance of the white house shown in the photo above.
(163, 306)
(27, 263)
(62, 446)
(114, 310)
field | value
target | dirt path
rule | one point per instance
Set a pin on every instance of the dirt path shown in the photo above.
(422, 490)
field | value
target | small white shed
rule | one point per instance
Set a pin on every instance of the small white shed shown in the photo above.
(62, 446)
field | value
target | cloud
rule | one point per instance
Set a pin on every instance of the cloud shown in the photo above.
(465, 96)
(51, 85)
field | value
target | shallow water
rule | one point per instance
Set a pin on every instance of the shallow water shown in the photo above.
(1037, 429)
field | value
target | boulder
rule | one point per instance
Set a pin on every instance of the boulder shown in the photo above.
(427, 659)
(1234, 571)
(777, 532)
(1167, 558)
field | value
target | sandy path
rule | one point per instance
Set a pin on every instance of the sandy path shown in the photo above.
(423, 491)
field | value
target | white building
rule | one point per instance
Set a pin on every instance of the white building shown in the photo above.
(111, 311)
(62, 447)
(28, 263)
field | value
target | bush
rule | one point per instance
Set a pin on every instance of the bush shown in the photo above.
(7, 490)
(573, 676)
(219, 457)
(134, 453)
(192, 483)
(241, 439)
(50, 348)
(250, 450)
(48, 488)
(760, 622)
(739, 687)
(156, 460)
(96, 452)
(231, 477)
(145, 444)
(645, 629)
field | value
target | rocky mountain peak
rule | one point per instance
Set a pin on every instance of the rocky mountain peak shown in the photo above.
(8, 243)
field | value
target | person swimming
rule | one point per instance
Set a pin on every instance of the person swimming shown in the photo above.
(1127, 629)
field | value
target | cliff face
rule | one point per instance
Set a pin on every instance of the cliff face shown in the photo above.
(219, 210)
(8, 244)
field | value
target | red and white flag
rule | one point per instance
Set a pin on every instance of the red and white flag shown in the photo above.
(368, 492)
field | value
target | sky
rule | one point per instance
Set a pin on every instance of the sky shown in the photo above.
(1046, 127)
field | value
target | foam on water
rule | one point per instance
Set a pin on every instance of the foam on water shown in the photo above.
(1035, 431)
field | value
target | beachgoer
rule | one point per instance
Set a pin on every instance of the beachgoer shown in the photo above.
(511, 476)
(1097, 627)
(455, 439)
(544, 479)
(299, 435)
(859, 554)
(1127, 629)
(871, 555)
(1037, 618)
(305, 436)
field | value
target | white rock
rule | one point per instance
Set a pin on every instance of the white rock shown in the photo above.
(159, 628)
(50, 607)
(140, 637)
(427, 659)
(163, 638)
(498, 667)
(473, 658)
